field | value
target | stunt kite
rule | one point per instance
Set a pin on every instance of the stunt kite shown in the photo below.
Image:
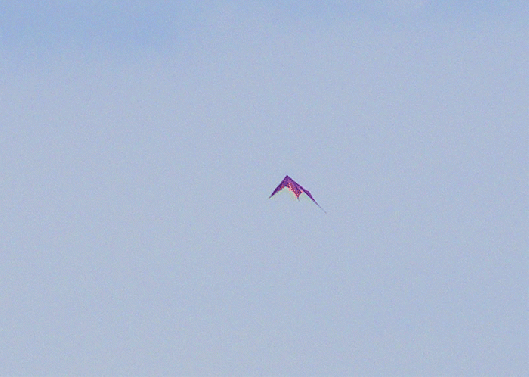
(296, 188)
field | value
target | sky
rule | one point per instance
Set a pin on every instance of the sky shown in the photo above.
(139, 144)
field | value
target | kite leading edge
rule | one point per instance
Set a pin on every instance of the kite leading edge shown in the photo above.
(296, 188)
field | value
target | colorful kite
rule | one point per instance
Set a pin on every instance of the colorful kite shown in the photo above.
(296, 188)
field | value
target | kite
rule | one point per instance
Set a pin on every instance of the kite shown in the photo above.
(296, 188)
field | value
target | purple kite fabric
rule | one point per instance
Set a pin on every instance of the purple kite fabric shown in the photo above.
(295, 187)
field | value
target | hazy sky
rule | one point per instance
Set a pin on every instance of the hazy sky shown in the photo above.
(140, 140)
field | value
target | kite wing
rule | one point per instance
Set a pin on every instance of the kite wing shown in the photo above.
(310, 196)
(278, 188)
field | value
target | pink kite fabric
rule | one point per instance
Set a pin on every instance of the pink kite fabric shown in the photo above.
(295, 187)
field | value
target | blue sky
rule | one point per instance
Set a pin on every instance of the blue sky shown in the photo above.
(139, 144)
